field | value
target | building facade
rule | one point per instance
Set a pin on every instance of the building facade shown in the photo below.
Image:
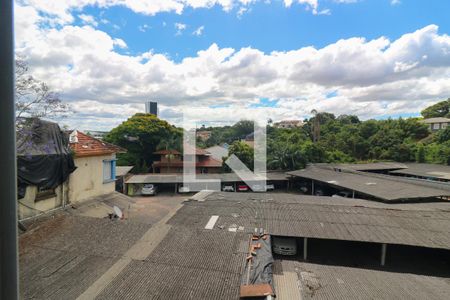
(171, 162)
(435, 124)
(94, 175)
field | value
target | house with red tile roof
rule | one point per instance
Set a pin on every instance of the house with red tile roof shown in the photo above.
(96, 164)
(171, 162)
(55, 171)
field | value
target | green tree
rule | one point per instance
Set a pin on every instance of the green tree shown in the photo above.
(243, 151)
(440, 109)
(420, 154)
(140, 135)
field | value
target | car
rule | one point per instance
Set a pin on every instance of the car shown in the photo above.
(270, 187)
(319, 193)
(242, 188)
(284, 245)
(228, 188)
(257, 188)
(148, 190)
(184, 189)
(343, 194)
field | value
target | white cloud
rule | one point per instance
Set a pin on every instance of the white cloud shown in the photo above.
(395, 2)
(120, 43)
(372, 77)
(88, 19)
(143, 28)
(60, 12)
(199, 31)
(180, 27)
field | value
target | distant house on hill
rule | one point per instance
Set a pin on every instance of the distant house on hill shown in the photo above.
(435, 124)
(171, 161)
(203, 135)
(288, 124)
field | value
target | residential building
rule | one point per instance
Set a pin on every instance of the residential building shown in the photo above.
(435, 124)
(288, 124)
(55, 171)
(203, 135)
(96, 166)
(171, 161)
(151, 108)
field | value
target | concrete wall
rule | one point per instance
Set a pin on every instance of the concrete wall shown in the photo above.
(87, 180)
(30, 206)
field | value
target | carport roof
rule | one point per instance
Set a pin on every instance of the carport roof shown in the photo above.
(178, 178)
(383, 187)
(377, 166)
(415, 224)
(425, 170)
(123, 170)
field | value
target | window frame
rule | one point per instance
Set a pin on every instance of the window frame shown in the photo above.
(112, 165)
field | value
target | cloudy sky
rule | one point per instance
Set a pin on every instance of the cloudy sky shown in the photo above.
(218, 61)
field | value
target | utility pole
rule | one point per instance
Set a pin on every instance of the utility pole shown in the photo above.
(9, 286)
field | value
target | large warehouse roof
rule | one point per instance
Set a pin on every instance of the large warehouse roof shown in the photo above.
(383, 187)
(425, 170)
(330, 218)
(377, 166)
(224, 177)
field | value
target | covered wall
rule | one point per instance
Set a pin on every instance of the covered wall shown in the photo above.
(31, 205)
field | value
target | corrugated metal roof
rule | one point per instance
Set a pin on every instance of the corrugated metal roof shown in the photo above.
(425, 170)
(299, 216)
(123, 170)
(383, 187)
(377, 166)
(435, 120)
(224, 177)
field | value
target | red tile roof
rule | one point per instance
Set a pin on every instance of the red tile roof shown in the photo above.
(198, 151)
(84, 145)
(208, 163)
(165, 152)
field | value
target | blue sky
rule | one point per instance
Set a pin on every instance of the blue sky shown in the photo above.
(275, 59)
(268, 27)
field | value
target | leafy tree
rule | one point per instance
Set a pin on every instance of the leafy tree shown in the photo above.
(34, 98)
(420, 154)
(140, 135)
(440, 109)
(243, 151)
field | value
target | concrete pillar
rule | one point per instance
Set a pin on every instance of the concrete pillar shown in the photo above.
(176, 188)
(235, 187)
(383, 254)
(9, 279)
(353, 194)
(312, 187)
(305, 248)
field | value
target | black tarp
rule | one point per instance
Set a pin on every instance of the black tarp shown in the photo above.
(44, 158)
(261, 267)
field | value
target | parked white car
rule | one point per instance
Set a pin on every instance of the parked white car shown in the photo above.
(257, 188)
(228, 188)
(343, 194)
(148, 190)
(270, 187)
(183, 189)
(284, 245)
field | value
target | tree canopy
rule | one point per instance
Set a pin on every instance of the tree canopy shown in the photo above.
(440, 109)
(140, 135)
